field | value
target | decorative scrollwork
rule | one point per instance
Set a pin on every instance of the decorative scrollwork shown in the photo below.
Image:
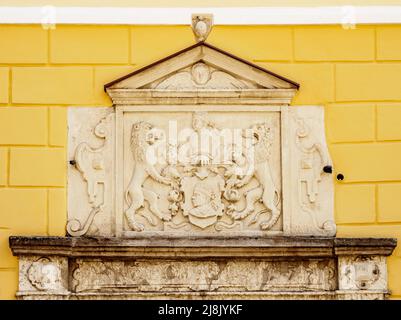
(313, 159)
(89, 162)
(74, 227)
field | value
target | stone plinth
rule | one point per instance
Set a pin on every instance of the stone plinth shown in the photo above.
(202, 267)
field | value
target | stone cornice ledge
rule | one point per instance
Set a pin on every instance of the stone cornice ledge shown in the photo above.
(360, 246)
(121, 97)
(203, 247)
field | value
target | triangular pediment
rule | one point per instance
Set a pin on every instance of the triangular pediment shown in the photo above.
(200, 68)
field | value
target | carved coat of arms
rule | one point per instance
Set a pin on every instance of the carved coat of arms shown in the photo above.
(207, 179)
(202, 199)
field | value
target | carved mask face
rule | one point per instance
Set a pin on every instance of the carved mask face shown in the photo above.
(154, 136)
(200, 73)
(198, 124)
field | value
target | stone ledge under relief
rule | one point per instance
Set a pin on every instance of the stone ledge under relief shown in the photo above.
(286, 246)
(202, 268)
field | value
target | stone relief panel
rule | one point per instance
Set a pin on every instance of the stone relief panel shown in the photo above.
(210, 276)
(251, 170)
(90, 185)
(309, 188)
(362, 273)
(202, 172)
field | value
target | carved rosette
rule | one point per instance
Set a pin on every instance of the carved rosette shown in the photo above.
(43, 274)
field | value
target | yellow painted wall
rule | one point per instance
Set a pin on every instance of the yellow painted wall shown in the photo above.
(354, 73)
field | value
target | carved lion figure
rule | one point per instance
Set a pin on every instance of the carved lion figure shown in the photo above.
(266, 192)
(144, 136)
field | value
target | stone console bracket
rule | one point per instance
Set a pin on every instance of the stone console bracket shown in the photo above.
(202, 267)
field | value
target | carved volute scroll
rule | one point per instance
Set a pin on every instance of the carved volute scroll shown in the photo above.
(310, 189)
(91, 159)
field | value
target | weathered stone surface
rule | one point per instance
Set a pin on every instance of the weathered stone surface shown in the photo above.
(371, 246)
(90, 179)
(200, 246)
(43, 274)
(201, 268)
(362, 273)
(210, 276)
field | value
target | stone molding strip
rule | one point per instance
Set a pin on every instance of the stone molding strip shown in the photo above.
(245, 97)
(51, 15)
(200, 247)
(309, 295)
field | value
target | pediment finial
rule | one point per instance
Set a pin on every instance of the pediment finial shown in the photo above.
(201, 25)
